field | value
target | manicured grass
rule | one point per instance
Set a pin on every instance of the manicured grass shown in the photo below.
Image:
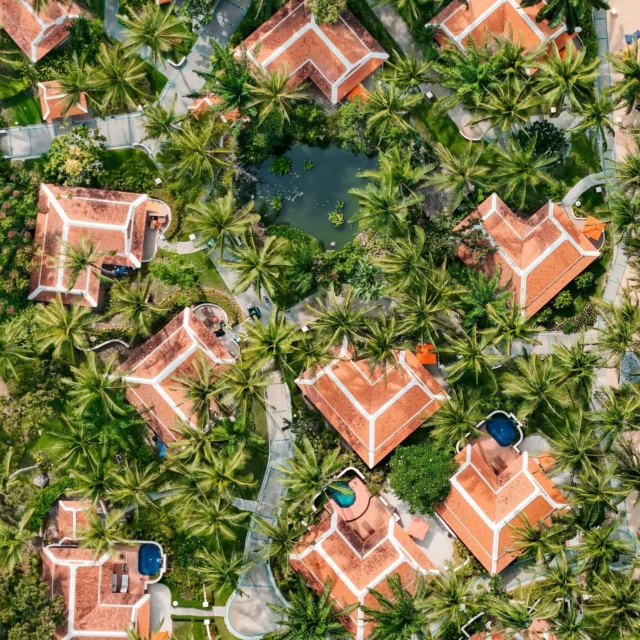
(113, 159)
(12, 86)
(223, 632)
(436, 127)
(583, 160)
(590, 202)
(189, 631)
(207, 272)
(22, 108)
(157, 80)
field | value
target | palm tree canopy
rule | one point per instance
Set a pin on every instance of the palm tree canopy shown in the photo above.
(272, 93)
(132, 301)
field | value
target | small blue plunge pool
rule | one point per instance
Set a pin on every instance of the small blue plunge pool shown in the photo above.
(149, 560)
(343, 499)
(502, 429)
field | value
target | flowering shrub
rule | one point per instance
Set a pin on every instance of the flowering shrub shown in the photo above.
(18, 195)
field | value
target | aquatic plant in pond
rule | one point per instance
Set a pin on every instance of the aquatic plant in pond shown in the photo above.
(309, 196)
(276, 203)
(281, 166)
(308, 165)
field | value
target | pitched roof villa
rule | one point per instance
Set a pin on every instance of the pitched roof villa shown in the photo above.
(483, 18)
(492, 488)
(114, 220)
(537, 256)
(152, 367)
(201, 104)
(374, 413)
(52, 102)
(37, 33)
(104, 597)
(336, 57)
(358, 548)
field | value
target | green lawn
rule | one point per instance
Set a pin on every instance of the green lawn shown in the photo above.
(207, 272)
(22, 108)
(223, 632)
(115, 158)
(157, 80)
(590, 203)
(436, 127)
(583, 160)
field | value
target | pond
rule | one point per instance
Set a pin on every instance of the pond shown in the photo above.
(309, 196)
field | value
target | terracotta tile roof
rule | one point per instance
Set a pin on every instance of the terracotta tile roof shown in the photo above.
(537, 257)
(115, 220)
(335, 57)
(484, 18)
(201, 104)
(52, 102)
(593, 228)
(37, 33)
(152, 367)
(492, 487)
(357, 556)
(92, 609)
(373, 413)
(72, 517)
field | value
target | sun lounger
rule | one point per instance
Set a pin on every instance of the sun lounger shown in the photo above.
(124, 587)
(114, 583)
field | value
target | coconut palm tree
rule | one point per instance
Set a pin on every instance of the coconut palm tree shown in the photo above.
(539, 540)
(567, 79)
(80, 257)
(8, 477)
(621, 327)
(11, 352)
(593, 487)
(272, 342)
(119, 434)
(212, 517)
(94, 482)
(133, 485)
(102, 533)
(514, 61)
(230, 77)
(118, 79)
(96, 388)
(409, 71)
(390, 106)
(132, 300)
(259, 267)
(161, 122)
(575, 446)
(383, 339)
(311, 616)
(512, 616)
(628, 467)
(619, 412)
(305, 476)
(627, 174)
(532, 384)
(339, 319)
(383, 211)
(560, 582)
(63, 328)
(242, 384)
(396, 166)
(507, 107)
(74, 442)
(74, 80)
(569, 11)
(616, 603)
(398, 615)
(425, 313)
(576, 368)
(272, 94)
(198, 388)
(626, 63)
(13, 541)
(283, 537)
(510, 325)
(197, 148)
(451, 599)
(310, 353)
(596, 117)
(457, 419)
(474, 356)
(221, 573)
(520, 173)
(223, 477)
(217, 222)
(482, 293)
(461, 172)
(624, 214)
(196, 446)
(599, 547)
(154, 29)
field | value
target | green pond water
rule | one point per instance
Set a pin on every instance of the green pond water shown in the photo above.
(309, 196)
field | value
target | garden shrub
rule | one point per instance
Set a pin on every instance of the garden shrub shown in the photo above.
(172, 269)
(134, 176)
(585, 280)
(258, 139)
(563, 300)
(309, 125)
(327, 11)
(44, 500)
(420, 475)
(550, 141)
(543, 316)
(367, 280)
(350, 127)
(197, 295)
(111, 333)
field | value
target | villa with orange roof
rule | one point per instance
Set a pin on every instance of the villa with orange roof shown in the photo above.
(52, 102)
(104, 596)
(373, 412)
(358, 548)
(152, 368)
(336, 57)
(36, 33)
(537, 257)
(203, 103)
(485, 18)
(124, 224)
(493, 487)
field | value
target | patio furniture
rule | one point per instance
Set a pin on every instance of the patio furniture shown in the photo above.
(418, 528)
(114, 583)
(124, 586)
(629, 38)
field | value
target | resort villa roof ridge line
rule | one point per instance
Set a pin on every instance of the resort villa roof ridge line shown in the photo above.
(537, 257)
(341, 55)
(51, 103)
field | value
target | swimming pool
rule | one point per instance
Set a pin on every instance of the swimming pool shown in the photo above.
(343, 499)
(149, 560)
(502, 429)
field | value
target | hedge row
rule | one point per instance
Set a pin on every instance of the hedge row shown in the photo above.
(44, 500)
